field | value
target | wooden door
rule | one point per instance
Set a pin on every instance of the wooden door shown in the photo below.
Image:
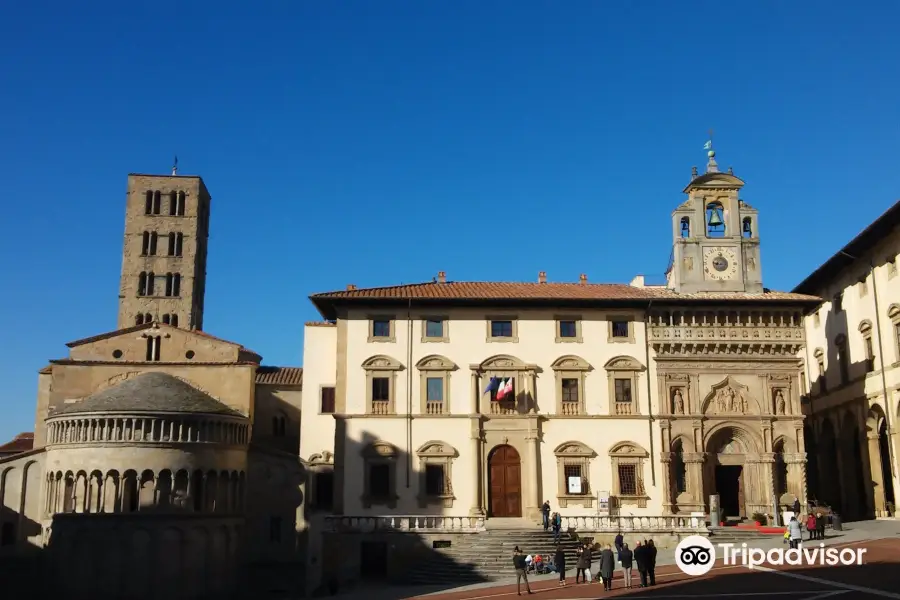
(505, 473)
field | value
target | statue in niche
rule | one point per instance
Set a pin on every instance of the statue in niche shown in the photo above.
(678, 402)
(780, 403)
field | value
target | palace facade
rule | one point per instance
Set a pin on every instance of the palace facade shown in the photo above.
(620, 399)
(852, 366)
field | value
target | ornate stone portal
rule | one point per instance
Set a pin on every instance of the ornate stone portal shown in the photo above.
(730, 428)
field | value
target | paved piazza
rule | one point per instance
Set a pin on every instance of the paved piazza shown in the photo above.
(879, 577)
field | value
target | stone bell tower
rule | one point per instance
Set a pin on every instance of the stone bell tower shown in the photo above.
(716, 237)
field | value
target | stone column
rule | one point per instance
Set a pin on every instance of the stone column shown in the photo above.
(877, 475)
(476, 393)
(477, 509)
(665, 460)
(693, 467)
(533, 508)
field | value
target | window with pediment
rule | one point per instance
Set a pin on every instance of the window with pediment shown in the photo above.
(628, 462)
(320, 491)
(381, 384)
(865, 330)
(506, 384)
(894, 316)
(821, 375)
(570, 373)
(843, 356)
(435, 474)
(623, 373)
(380, 475)
(573, 468)
(434, 388)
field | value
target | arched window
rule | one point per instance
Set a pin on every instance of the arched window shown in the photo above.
(148, 318)
(747, 227)
(151, 280)
(685, 227)
(145, 243)
(174, 320)
(180, 210)
(139, 320)
(175, 243)
(173, 203)
(715, 220)
(142, 284)
(148, 203)
(840, 343)
(173, 284)
(166, 319)
(157, 202)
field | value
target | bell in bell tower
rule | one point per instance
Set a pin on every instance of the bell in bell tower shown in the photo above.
(716, 240)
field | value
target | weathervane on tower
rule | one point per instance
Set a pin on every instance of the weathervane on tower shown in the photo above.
(711, 166)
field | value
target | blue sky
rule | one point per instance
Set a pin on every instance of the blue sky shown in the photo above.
(380, 142)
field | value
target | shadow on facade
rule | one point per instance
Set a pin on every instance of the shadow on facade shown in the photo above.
(848, 459)
(389, 545)
(20, 563)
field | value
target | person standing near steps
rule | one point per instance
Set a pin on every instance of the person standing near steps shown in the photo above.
(521, 568)
(626, 557)
(560, 561)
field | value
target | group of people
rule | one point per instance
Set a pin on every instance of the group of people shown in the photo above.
(643, 556)
(815, 527)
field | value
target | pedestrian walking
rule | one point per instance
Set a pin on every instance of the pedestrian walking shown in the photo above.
(559, 559)
(557, 526)
(796, 533)
(651, 562)
(521, 571)
(626, 558)
(607, 566)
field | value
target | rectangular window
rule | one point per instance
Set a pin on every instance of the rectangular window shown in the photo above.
(380, 481)
(844, 363)
(434, 480)
(620, 329)
(570, 390)
(570, 472)
(434, 328)
(275, 529)
(324, 486)
(628, 485)
(568, 329)
(327, 404)
(870, 355)
(153, 348)
(501, 329)
(381, 389)
(823, 381)
(434, 387)
(623, 390)
(381, 328)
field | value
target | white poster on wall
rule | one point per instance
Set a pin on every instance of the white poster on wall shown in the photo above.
(603, 501)
(574, 485)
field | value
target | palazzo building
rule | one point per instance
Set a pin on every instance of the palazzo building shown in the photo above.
(164, 460)
(620, 399)
(852, 370)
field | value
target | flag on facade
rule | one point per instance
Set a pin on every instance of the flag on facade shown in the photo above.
(708, 145)
(508, 388)
(501, 391)
(492, 386)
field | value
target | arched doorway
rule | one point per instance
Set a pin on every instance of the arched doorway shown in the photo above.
(781, 474)
(886, 475)
(729, 447)
(851, 478)
(504, 482)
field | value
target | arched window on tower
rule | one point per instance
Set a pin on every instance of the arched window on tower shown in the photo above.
(747, 228)
(139, 319)
(173, 203)
(685, 227)
(715, 220)
(175, 243)
(151, 283)
(157, 202)
(142, 284)
(148, 204)
(152, 249)
(180, 210)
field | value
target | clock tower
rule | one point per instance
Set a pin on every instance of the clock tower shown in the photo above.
(716, 241)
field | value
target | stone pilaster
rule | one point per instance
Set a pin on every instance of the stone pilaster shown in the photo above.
(877, 478)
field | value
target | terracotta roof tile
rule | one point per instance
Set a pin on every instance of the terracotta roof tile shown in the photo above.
(320, 324)
(46, 370)
(21, 443)
(290, 376)
(486, 290)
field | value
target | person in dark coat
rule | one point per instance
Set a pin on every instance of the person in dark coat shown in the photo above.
(521, 571)
(607, 566)
(640, 559)
(820, 525)
(559, 559)
(626, 557)
(545, 513)
(619, 542)
(651, 562)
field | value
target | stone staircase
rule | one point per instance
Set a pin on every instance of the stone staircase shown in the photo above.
(486, 556)
(737, 535)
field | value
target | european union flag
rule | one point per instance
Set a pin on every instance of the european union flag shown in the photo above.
(492, 386)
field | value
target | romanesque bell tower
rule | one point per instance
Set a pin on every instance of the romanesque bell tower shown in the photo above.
(164, 253)
(716, 238)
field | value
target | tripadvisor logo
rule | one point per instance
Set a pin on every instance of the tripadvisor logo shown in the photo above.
(696, 555)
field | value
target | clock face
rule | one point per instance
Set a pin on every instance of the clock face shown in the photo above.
(720, 263)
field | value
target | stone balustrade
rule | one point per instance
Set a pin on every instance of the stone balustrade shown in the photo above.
(668, 523)
(404, 523)
(133, 429)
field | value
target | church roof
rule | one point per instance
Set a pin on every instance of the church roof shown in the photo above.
(497, 293)
(21, 443)
(149, 393)
(288, 376)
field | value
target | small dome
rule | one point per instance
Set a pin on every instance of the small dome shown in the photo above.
(149, 393)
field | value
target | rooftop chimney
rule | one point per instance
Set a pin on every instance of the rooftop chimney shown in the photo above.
(351, 287)
(442, 277)
(582, 279)
(542, 277)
